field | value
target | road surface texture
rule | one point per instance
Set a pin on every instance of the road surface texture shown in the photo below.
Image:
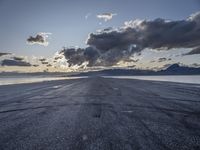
(100, 114)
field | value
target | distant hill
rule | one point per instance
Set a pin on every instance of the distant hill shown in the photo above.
(174, 69)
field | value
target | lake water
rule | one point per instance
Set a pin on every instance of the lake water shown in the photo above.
(171, 78)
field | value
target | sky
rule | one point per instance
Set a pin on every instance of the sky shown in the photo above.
(64, 23)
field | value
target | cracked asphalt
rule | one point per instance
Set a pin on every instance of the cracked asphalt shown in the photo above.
(100, 114)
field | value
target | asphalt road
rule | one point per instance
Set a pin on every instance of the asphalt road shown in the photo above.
(100, 114)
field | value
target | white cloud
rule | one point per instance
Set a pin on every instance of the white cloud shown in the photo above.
(106, 16)
(87, 15)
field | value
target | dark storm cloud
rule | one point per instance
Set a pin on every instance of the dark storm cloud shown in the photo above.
(91, 54)
(194, 51)
(156, 34)
(94, 57)
(115, 55)
(40, 38)
(77, 56)
(110, 46)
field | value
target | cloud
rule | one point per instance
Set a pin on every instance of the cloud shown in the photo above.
(42, 59)
(10, 59)
(40, 38)
(194, 51)
(106, 16)
(9, 62)
(91, 56)
(162, 59)
(156, 34)
(18, 58)
(195, 65)
(110, 46)
(78, 56)
(2, 54)
(25, 61)
(87, 15)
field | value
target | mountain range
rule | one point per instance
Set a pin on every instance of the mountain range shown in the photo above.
(174, 69)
